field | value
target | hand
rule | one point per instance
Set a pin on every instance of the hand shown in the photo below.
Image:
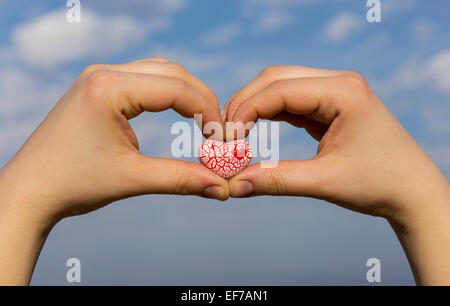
(366, 161)
(85, 155)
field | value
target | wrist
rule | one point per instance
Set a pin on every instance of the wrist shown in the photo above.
(22, 235)
(423, 195)
(424, 233)
(20, 202)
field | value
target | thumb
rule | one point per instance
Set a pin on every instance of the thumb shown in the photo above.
(290, 178)
(169, 176)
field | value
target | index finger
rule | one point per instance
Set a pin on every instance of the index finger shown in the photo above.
(134, 93)
(272, 74)
(322, 98)
(169, 69)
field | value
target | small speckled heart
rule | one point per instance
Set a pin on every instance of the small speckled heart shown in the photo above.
(225, 158)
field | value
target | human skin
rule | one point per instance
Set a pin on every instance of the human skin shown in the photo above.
(366, 161)
(84, 155)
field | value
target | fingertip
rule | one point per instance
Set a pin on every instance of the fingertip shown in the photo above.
(214, 186)
(241, 188)
(216, 192)
(244, 184)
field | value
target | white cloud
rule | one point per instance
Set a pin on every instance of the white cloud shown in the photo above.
(433, 73)
(270, 16)
(24, 100)
(273, 20)
(342, 26)
(419, 75)
(21, 92)
(27, 100)
(222, 35)
(49, 40)
(404, 77)
(437, 69)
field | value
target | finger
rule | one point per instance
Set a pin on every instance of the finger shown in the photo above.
(272, 74)
(171, 69)
(323, 99)
(316, 129)
(153, 59)
(292, 119)
(134, 93)
(223, 113)
(149, 175)
(161, 66)
(288, 178)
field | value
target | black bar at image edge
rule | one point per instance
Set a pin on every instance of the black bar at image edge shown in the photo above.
(232, 295)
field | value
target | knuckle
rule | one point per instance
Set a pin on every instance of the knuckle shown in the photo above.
(182, 185)
(180, 85)
(98, 82)
(180, 88)
(323, 187)
(355, 75)
(177, 67)
(213, 97)
(234, 106)
(356, 84)
(271, 70)
(276, 184)
(160, 58)
(91, 69)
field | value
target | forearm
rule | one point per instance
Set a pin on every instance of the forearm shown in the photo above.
(20, 245)
(22, 234)
(426, 239)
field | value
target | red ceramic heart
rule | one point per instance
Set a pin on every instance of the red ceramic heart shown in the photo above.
(225, 159)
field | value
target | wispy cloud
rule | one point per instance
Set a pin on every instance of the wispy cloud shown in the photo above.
(432, 73)
(437, 69)
(342, 26)
(24, 92)
(49, 40)
(272, 21)
(222, 35)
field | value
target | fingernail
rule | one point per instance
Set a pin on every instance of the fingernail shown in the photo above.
(241, 189)
(214, 192)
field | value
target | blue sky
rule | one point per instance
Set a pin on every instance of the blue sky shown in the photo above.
(405, 58)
